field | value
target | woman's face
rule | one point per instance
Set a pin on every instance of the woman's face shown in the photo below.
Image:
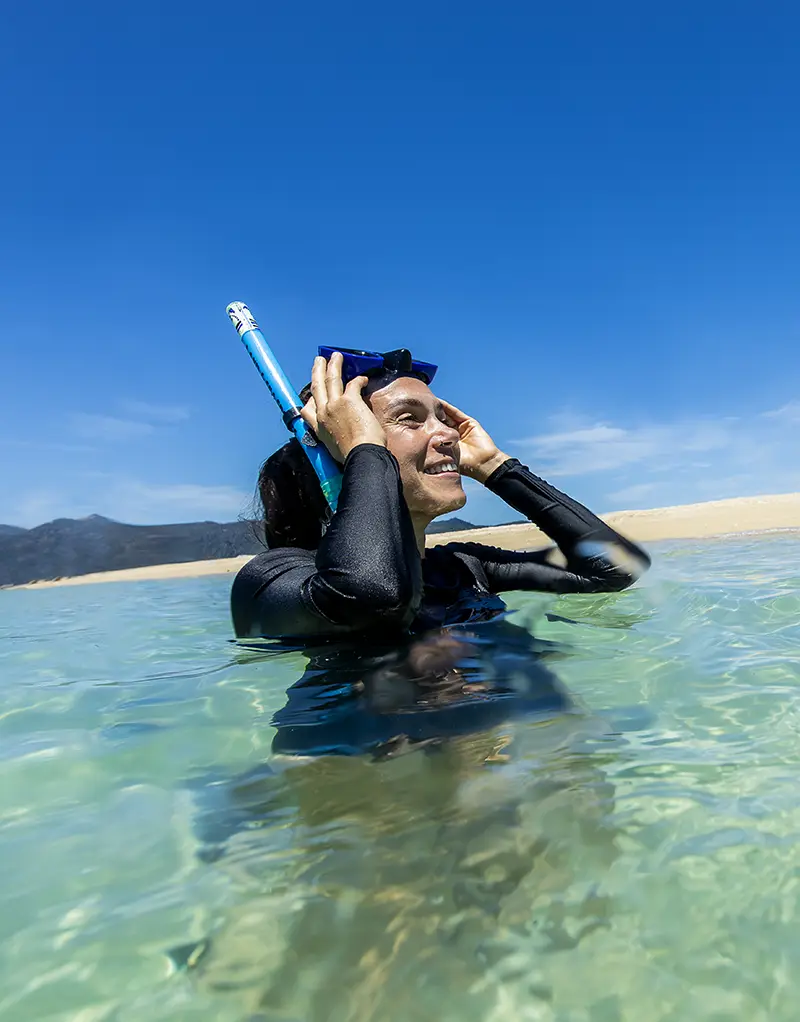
(424, 443)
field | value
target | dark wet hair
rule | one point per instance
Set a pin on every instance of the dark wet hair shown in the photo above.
(293, 508)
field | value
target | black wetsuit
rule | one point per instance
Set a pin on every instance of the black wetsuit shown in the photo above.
(434, 657)
(367, 576)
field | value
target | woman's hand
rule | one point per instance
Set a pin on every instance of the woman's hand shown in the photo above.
(480, 456)
(339, 415)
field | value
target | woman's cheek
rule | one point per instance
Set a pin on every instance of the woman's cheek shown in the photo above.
(397, 447)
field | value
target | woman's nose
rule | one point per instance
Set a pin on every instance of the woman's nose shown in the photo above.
(445, 436)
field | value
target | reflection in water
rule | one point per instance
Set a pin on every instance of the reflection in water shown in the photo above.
(376, 879)
(449, 682)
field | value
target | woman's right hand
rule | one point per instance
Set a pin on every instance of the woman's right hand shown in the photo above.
(339, 415)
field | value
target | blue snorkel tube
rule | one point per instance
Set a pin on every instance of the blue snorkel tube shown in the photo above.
(288, 400)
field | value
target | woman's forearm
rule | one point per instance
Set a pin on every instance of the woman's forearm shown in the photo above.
(563, 519)
(368, 562)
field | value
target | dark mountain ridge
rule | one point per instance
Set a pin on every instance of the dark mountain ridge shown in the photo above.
(79, 546)
(11, 530)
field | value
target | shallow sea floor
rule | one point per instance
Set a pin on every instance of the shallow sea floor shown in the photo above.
(636, 860)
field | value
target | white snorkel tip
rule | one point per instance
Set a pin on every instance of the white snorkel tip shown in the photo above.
(241, 317)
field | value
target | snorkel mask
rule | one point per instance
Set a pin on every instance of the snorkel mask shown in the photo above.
(376, 363)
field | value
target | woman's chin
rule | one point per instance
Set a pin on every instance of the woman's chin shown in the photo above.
(439, 497)
(455, 503)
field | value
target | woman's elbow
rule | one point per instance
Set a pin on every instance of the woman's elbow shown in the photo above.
(616, 582)
(612, 567)
(390, 606)
(384, 603)
(617, 578)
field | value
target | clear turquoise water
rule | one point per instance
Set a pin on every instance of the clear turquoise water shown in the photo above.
(639, 860)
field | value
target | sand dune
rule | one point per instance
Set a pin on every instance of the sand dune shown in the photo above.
(685, 521)
(184, 569)
(688, 521)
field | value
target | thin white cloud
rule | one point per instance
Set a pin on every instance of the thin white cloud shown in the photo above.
(601, 447)
(46, 445)
(149, 502)
(155, 413)
(789, 413)
(690, 459)
(634, 494)
(139, 419)
(126, 500)
(107, 428)
(37, 506)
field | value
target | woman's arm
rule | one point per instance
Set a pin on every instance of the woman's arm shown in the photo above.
(597, 558)
(366, 573)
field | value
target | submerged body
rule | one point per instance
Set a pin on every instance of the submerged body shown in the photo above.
(383, 700)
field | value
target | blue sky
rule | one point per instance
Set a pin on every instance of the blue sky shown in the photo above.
(587, 214)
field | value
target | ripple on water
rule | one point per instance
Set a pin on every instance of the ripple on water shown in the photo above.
(634, 859)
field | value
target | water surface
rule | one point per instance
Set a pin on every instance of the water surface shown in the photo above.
(633, 858)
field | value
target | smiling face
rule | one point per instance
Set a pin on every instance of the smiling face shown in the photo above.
(424, 443)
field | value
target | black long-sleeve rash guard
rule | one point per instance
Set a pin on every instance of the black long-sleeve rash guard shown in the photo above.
(367, 574)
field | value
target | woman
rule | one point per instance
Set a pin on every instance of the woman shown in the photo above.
(366, 570)
(430, 867)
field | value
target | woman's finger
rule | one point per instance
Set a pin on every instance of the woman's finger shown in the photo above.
(309, 413)
(454, 413)
(333, 376)
(356, 386)
(319, 387)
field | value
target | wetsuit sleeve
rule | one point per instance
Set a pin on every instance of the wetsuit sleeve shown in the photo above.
(597, 558)
(365, 575)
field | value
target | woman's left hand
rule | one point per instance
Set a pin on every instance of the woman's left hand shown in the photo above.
(480, 456)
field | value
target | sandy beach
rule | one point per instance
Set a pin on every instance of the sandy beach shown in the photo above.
(766, 513)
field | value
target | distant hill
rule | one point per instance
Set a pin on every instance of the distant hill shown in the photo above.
(78, 546)
(449, 525)
(11, 530)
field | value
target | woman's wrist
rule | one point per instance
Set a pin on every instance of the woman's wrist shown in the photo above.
(375, 441)
(482, 472)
